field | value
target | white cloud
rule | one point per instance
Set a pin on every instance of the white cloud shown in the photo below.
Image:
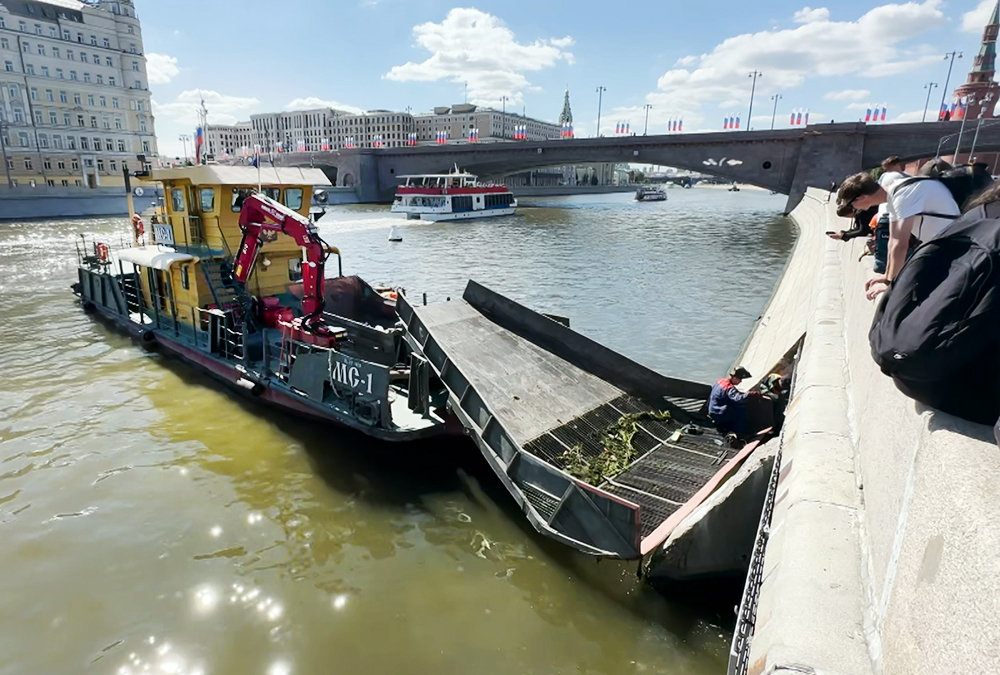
(475, 47)
(867, 47)
(311, 102)
(847, 95)
(161, 68)
(914, 116)
(974, 21)
(809, 15)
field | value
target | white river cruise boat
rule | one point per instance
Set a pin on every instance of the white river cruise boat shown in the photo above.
(451, 196)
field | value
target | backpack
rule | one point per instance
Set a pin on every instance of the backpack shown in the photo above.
(962, 182)
(936, 331)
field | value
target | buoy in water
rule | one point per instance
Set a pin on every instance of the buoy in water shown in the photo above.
(395, 236)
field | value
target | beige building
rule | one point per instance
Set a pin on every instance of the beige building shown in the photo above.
(74, 95)
(328, 127)
(456, 121)
(229, 139)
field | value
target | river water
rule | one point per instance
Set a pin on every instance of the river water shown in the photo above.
(152, 523)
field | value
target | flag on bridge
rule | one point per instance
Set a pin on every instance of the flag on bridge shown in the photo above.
(737, 121)
(278, 147)
(300, 145)
(868, 113)
(245, 151)
(324, 144)
(806, 120)
(798, 118)
(884, 110)
(725, 124)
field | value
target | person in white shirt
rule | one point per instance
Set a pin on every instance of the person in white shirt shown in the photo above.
(918, 206)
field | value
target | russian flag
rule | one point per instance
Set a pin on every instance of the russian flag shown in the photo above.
(680, 125)
(884, 110)
(807, 118)
(199, 140)
(737, 122)
(725, 123)
(798, 118)
(792, 120)
(868, 113)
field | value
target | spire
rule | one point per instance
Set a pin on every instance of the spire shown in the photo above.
(566, 116)
(984, 65)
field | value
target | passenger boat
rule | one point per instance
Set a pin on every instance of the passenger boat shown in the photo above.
(231, 280)
(650, 193)
(451, 196)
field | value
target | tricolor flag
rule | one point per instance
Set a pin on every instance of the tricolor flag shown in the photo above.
(300, 145)
(278, 147)
(943, 112)
(618, 127)
(411, 139)
(324, 144)
(737, 121)
(725, 124)
(884, 110)
(792, 120)
(199, 141)
(680, 124)
(868, 113)
(377, 141)
(245, 151)
(256, 150)
(628, 127)
(798, 118)
(806, 121)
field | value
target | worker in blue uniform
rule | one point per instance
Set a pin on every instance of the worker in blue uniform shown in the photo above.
(727, 404)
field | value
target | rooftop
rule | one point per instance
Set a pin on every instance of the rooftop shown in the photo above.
(217, 174)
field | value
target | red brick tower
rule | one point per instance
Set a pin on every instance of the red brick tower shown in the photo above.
(980, 83)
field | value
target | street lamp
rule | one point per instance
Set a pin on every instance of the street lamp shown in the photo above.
(503, 100)
(646, 127)
(982, 109)
(952, 56)
(929, 86)
(184, 138)
(600, 95)
(774, 112)
(961, 130)
(755, 74)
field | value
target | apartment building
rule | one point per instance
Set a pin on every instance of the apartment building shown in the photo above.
(74, 94)
(457, 120)
(230, 140)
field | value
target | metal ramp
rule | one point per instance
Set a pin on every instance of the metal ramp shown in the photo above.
(528, 389)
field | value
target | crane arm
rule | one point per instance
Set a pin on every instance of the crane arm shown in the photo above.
(259, 214)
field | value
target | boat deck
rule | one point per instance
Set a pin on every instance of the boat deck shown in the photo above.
(530, 391)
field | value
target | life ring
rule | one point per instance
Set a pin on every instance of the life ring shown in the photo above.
(138, 192)
(138, 226)
(101, 251)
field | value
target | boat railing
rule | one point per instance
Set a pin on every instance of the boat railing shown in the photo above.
(217, 332)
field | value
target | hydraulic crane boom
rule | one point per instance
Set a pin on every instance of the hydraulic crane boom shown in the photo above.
(259, 214)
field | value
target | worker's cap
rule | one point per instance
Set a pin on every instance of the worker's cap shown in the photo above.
(741, 373)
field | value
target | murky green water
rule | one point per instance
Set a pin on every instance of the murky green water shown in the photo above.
(152, 523)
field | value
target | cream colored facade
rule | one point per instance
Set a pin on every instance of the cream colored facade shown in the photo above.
(74, 94)
(229, 139)
(456, 121)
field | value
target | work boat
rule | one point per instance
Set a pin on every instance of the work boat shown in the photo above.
(230, 279)
(451, 196)
(650, 193)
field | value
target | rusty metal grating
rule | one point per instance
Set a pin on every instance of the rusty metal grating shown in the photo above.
(543, 502)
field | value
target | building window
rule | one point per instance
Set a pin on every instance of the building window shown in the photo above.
(45, 71)
(79, 38)
(38, 117)
(41, 50)
(55, 52)
(27, 164)
(8, 66)
(71, 145)
(75, 164)
(4, 43)
(80, 121)
(93, 40)
(62, 97)
(29, 69)
(59, 73)
(61, 164)
(34, 93)
(109, 145)
(121, 145)
(118, 123)
(114, 103)
(138, 105)
(22, 26)
(47, 163)
(53, 32)
(84, 143)
(65, 183)
(100, 79)
(38, 29)
(50, 96)
(43, 141)
(131, 30)
(23, 138)
(113, 164)
(3, 23)
(142, 125)
(53, 117)
(83, 57)
(57, 144)
(72, 75)
(86, 77)
(93, 122)
(97, 144)
(67, 35)
(145, 147)
(66, 120)
(107, 43)
(109, 63)
(76, 99)
(131, 49)
(135, 66)
(100, 165)
(138, 85)
(111, 81)
(31, 182)
(78, 182)
(106, 123)
(70, 55)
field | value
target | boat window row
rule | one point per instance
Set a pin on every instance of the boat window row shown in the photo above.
(205, 198)
(430, 202)
(499, 201)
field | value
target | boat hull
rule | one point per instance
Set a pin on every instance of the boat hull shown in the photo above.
(227, 373)
(461, 215)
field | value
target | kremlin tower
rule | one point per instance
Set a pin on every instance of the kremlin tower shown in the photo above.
(980, 83)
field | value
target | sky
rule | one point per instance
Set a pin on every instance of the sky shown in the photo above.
(688, 60)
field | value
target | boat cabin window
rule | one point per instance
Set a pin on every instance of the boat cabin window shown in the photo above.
(293, 198)
(239, 194)
(295, 269)
(177, 199)
(273, 193)
(207, 200)
(185, 279)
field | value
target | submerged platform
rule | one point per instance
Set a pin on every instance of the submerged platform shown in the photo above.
(539, 399)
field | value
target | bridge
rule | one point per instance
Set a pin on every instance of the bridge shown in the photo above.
(787, 161)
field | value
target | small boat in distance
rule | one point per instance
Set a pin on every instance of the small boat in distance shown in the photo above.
(395, 236)
(734, 188)
(451, 196)
(650, 193)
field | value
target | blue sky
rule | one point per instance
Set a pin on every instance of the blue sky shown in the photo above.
(688, 60)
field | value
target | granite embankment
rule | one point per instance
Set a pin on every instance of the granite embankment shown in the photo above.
(884, 549)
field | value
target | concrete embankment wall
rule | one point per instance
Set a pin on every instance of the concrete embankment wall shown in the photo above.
(884, 548)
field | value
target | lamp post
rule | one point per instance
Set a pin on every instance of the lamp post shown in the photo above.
(952, 56)
(3, 147)
(503, 100)
(184, 138)
(600, 95)
(929, 86)
(982, 109)
(774, 112)
(961, 130)
(755, 74)
(646, 126)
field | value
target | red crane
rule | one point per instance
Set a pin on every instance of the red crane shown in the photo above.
(260, 214)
